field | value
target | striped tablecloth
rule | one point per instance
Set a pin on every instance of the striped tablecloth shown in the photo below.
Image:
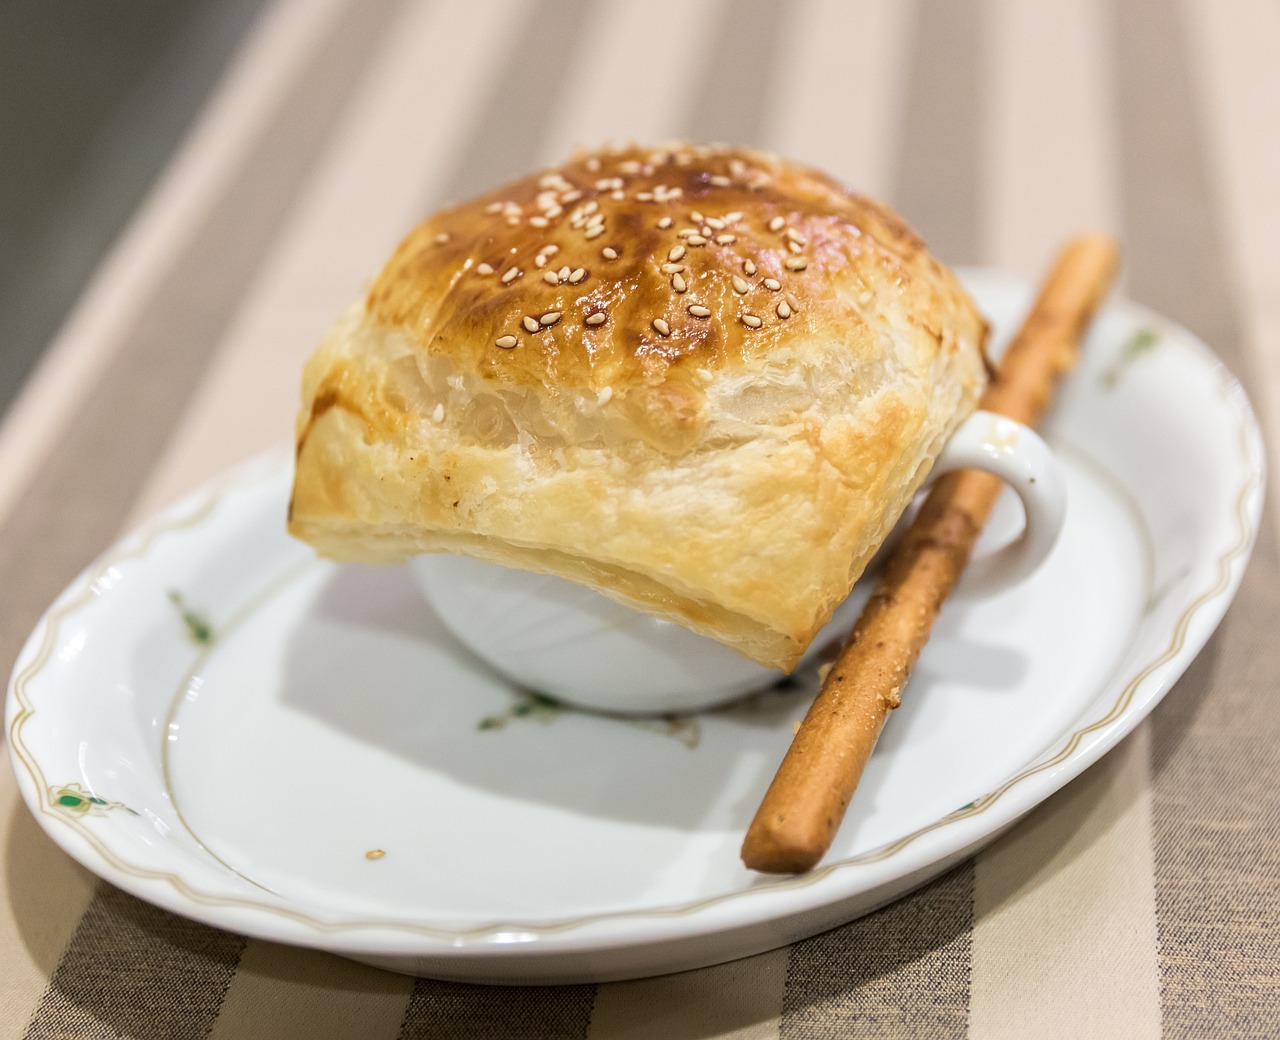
(1141, 901)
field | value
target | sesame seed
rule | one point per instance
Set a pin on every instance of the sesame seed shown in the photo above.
(715, 222)
(720, 181)
(551, 277)
(442, 238)
(772, 284)
(506, 342)
(437, 415)
(493, 207)
(796, 263)
(549, 250)
(751, 321)
(540, 260)
(791, 302)
(749, 267)
(678, 283)
(595, 232)
(564, 272)
(629, 166)
(591, 206)
(549, 319)
(740, 285)
(604, 395)
(734, 217)
(697, 217)
(618, 194)
(609, 253)
(784, 310)
(578, 274)
(644, 196)
(675, 253)
(672, 268)
(483, 268)
(530, 323)
(539, 221)
(699, 311)
(795, 236)
(664, 223)
(596, 319)
(777, 224)
(795, 247)
(513, 220)
(724, 240)
(511, 275)
(571, 196)
(661, 327)
(696, 240)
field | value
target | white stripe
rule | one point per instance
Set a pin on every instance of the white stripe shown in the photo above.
(1234, 48)
(1064, 943)
(632, 76)
(1052, 162)
(271, 59)
(384, 163)
(840, 102)
(736, 1001)
(1064, 940)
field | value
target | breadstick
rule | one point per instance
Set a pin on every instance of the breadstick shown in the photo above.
(804, 805)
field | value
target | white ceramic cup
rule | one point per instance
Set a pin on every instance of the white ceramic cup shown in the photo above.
(570, 642)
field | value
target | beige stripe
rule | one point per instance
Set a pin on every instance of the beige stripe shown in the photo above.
(936, 180)
(1236, 48)
(637, 92)
(740, 64)
(1080, 868)
(1065, 941)
(744, 999)
(45, 893)
(247, 402)
(280, 993)
(233, 119)
(134, 970)
(1052, 131)
(736, 1001)
(840, 101)
(333, 245)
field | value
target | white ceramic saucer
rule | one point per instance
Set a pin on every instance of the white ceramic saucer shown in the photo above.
(216, 722)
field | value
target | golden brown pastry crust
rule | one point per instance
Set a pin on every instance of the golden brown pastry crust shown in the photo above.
(777, 364)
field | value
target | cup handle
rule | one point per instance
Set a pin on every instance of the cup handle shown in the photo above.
(1017, 455)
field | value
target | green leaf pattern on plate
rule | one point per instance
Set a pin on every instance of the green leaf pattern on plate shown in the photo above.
(76, 801)
(1141, 342)
(543, 708)
(198, 628)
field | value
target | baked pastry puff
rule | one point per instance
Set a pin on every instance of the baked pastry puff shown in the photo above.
(705, 382)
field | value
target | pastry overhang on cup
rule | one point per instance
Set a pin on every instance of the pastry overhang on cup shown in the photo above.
(702, 381)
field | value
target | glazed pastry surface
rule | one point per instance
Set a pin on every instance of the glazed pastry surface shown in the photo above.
(705, 382)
